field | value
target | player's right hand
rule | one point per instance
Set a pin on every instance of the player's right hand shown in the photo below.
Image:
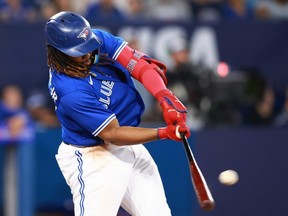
(172, 132)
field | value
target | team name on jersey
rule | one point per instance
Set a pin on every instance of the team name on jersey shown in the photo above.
(54, 96)
(106, 91)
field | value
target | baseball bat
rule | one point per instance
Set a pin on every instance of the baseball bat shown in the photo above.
(200, 186)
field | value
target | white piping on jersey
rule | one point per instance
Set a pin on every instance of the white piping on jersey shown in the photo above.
(119, 50)
(104, 124)
(90, 81)
(50, 77)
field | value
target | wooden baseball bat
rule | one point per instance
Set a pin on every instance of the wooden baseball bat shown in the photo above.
(202, 191)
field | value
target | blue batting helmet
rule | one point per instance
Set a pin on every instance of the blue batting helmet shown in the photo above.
(71, 33)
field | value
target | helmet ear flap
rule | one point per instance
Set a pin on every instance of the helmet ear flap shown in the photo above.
(71, 33)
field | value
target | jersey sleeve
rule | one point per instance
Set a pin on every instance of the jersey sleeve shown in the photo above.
(111, 44)
(86, 111)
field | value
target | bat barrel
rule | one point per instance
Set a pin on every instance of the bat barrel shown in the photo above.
(203, 193)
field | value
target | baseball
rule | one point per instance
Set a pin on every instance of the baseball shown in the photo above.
(229, 177)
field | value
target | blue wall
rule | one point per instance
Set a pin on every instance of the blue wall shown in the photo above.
(259, 156)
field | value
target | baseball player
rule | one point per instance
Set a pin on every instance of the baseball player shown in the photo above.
(102, 157)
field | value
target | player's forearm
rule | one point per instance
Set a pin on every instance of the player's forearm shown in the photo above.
(153, 82)
(144, 69)
(129, 135)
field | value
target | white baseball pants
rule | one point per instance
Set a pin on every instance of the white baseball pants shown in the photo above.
(102, 178)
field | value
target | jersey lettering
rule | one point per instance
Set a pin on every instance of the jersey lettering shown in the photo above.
(106, 90)
(54, 96)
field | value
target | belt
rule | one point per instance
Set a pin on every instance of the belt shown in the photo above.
(77, 146)
(81, 146)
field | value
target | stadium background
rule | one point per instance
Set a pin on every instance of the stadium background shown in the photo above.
(259, 154)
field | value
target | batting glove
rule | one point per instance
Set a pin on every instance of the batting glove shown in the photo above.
(172, 132)
(174, 112)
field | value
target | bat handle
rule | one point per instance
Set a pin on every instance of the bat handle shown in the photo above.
(183, 137)
(187, 147)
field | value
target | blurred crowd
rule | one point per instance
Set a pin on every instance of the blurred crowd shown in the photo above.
(140, 10)
(21, 116)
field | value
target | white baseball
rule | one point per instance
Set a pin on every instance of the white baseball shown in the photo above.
(228, 177)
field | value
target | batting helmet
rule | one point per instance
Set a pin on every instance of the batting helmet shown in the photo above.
(71, 33)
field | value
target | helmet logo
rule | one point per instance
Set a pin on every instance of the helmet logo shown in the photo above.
(83, 34)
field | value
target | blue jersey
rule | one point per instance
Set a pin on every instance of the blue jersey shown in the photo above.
(85, 106)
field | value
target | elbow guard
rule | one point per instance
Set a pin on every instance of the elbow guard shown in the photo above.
(137, 64)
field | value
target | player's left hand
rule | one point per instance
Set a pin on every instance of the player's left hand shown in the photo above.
(174, 112)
